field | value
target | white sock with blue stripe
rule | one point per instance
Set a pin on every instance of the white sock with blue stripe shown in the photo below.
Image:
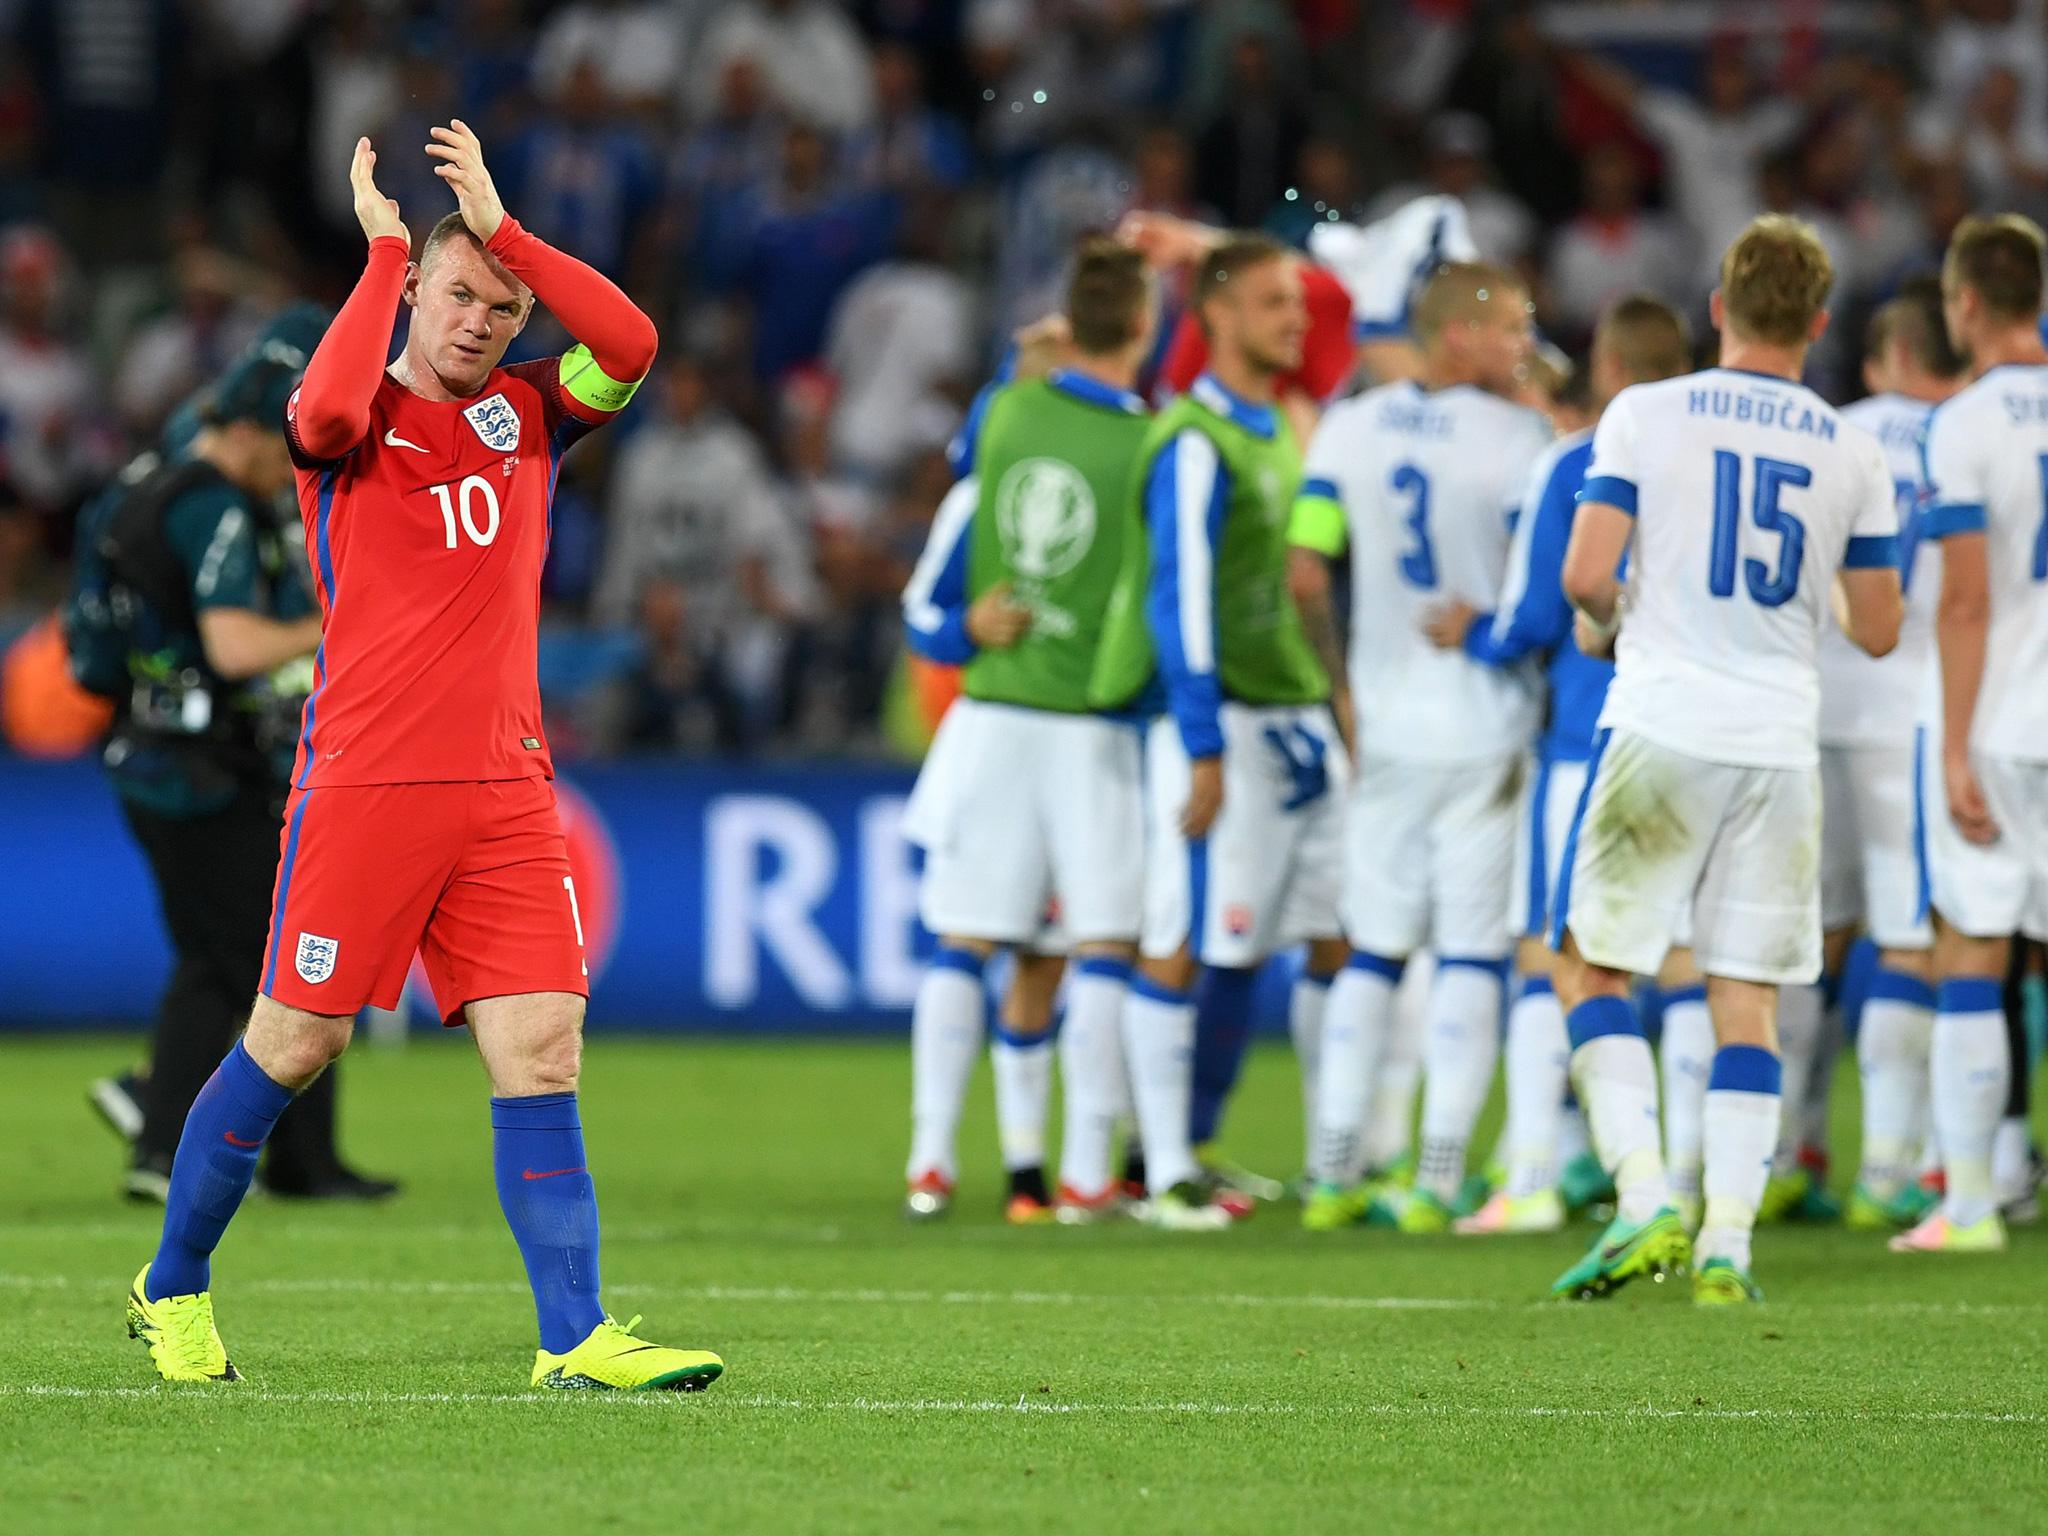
(1355, 1023)
(1159, 1046)
(1617, 1083)
(945, 1036)
(1092, 1078)
(1023, 1073)
(1685, 1055)
(1390, 1105)
(1892, 1059)
(1744, 1105)
(1462, 1050)
(1306, 1007)
(1538, 1061)
(1800, 1030)
(1969, 1075)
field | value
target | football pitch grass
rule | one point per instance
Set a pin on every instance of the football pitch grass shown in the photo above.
(962, 1376)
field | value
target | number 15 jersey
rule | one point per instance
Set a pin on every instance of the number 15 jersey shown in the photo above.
(1749, 492)
(426, 542)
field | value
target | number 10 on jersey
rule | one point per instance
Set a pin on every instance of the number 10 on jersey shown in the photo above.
(466, 496)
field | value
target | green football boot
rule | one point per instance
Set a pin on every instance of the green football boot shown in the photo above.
(1422, 1214)
(1584, 1182)
(1868, 1211)
(1657, 1248)
(1718, 1283)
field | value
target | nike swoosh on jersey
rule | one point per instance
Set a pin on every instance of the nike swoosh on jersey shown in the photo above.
(396, 441)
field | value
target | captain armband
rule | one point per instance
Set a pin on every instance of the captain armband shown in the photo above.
(587, 384)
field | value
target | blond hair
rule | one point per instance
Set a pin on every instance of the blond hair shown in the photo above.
(1461, 290)
(1775, 279)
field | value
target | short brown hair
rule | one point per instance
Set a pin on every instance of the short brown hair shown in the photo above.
(1648, 338)
(1774, 279)
(2000, 257)
(1459, 290)
(448, 227)
(1915, 321)
(1107, 296)
(1237, 253)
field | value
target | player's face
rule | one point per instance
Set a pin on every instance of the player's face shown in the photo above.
(1497, 342)
(466, 310)
(1267, 316)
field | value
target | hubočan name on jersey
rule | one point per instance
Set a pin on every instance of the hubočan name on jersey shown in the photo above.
(1793, 415)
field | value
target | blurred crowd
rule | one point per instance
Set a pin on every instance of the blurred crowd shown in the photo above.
(837, 211)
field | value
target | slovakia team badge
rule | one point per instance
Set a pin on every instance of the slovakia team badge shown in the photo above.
(315, 959)
(495, 422)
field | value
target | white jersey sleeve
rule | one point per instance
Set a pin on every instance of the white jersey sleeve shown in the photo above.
(1987, 470)
(1749, 493)
(1383, 263)
(1429, 484)
(1874, 700)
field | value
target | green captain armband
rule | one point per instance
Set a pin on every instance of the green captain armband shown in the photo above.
(1317, 523)
(590, 385)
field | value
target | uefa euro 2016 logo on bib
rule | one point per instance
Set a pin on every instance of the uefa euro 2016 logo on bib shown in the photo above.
(315, 959)
(1045, 515)
(495, 422)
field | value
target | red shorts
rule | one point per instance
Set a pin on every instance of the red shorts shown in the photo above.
(474, 877)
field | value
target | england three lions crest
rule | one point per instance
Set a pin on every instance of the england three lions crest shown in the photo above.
(495, 422)
(315, 958)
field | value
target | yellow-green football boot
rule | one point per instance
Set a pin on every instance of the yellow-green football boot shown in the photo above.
(183, 1343)
(1657, 1247)
(1331, 1207)
(1422, 1214)
(611, 1359)
(1718, 1283)
(1784, 1196)
(1869, 1211)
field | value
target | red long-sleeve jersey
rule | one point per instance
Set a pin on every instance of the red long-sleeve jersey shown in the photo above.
(427, 524)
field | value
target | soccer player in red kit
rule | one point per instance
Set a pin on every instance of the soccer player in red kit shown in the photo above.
(422, 815)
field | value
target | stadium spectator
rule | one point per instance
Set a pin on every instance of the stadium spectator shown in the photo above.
(901, 349)
(910, 144)
(815, 62)
(720, 164)
(634, 45)
(209, 325)
(1248, 148)
(795, 245)
(1613, 248)
(354, 89)
(1456, 151)
(584, 174)
(48, 395)
(1714, 148)
(2000, 144)
(1325, 190)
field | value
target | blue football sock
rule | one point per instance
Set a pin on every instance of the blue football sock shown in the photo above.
(224, 1133)
(1223, 1028)
(550, 1203)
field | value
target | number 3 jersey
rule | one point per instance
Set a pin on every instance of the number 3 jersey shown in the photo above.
(1424, 485)
(1749, 492)
(426, 542)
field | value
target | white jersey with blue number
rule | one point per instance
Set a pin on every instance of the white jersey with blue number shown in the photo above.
(1987, 469)
(1429, 484)
(1384, 263)
(1873, 700)
(1749, 493)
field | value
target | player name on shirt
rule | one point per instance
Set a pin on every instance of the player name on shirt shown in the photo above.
(1790, 415)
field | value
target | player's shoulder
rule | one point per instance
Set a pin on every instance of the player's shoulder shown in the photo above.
(1998, 398)
(1490, 412)
(1565, 458)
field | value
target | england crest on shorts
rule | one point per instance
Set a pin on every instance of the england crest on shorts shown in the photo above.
(315, 959)
(495, 422)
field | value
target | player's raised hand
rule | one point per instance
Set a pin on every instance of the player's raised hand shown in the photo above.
(462, 167)
(1966, 802)
(996, 620)
(377, 213)
(1448, 623)
(1166, 240)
